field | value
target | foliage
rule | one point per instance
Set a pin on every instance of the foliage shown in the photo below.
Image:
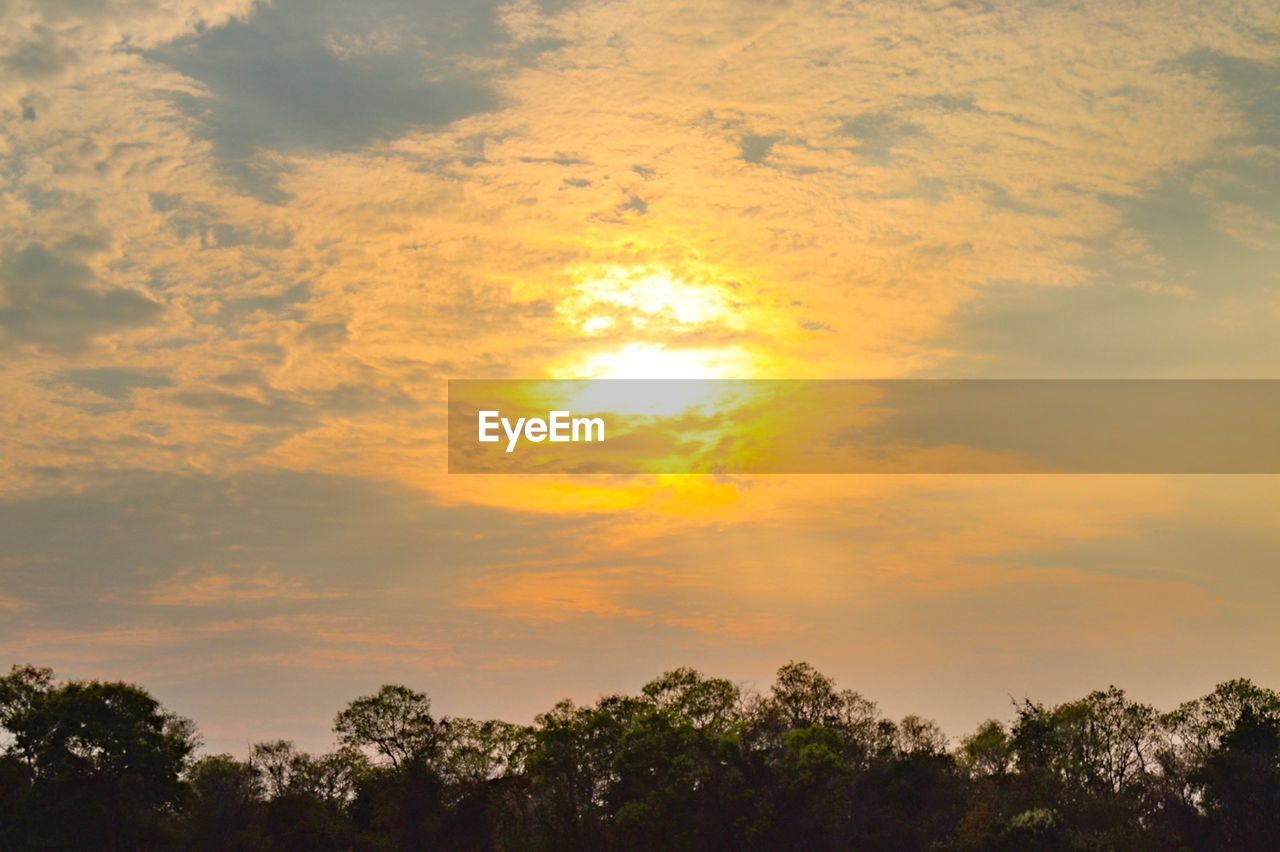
(691, 762)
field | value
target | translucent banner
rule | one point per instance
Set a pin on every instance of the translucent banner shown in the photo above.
(857, 426)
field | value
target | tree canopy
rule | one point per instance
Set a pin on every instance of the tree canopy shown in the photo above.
(690, 762)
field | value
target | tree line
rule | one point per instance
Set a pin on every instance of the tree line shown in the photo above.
(691, 762)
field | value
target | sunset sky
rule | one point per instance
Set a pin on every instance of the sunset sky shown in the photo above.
(243, 246)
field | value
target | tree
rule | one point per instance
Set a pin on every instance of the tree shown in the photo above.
(692, 762)
(104, 760)
(472, 751)
(1240, 781)
(395, 723)
(20, 690)
(284, 770)
(227, 804)
(988, 752)
(307, 796)
(1199, 726)
(802, 697)
(704, 702)
(571, 770)
(917, 735)
(1093, 761)
(677, 785)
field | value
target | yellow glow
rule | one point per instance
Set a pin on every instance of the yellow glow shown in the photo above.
(654, 323)
(656, 361)
(646, 299)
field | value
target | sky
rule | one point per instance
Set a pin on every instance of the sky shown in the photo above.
(244, 245)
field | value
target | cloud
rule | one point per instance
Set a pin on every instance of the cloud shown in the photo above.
(289, 411)
(49, 43)
(285, 304)
(1109, 330)
(325, 335)
(51, 302)
(558, 595)
(966, 189)
(190, 583)
(304, 76)
(11, 604)
(117, 383)
(1182, 284)
(186, 590)
(168, 537)
(878, 134)
(1252, 84)
(206, 225)
(755, 149)
(40, 57)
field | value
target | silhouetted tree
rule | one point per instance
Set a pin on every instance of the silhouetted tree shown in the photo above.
(691, 762)
(227, 804)
(101, 762)
(1240, 781)
(394, 723)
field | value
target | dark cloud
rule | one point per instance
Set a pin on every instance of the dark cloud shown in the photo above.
(634, 204)
(335, 557)
(116, 383)
(755, 149)
(275, 410)
(560, 159)
(300, 75)
(950, 103)
(878, 133)
(340, 532)
(1198, 300)
(285, 304)
(1253, 86)
(325, 335)
(284, 412)
(52, 302)
(38, 58)
(202, 223)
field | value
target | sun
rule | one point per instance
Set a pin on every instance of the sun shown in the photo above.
(656, 361)
(645, 299)
(651, 323)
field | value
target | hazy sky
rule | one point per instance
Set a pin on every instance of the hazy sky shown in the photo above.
(243, 245)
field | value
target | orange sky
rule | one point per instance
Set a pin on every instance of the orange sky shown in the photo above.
(244, 245)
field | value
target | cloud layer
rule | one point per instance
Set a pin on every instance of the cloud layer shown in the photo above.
(243, 245)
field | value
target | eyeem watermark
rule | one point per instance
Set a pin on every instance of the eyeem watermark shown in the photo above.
(1105, 426)
(559, 427)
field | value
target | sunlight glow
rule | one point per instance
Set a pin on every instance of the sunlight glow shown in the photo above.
(652, 323)
(646, 300)
(655, 361)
